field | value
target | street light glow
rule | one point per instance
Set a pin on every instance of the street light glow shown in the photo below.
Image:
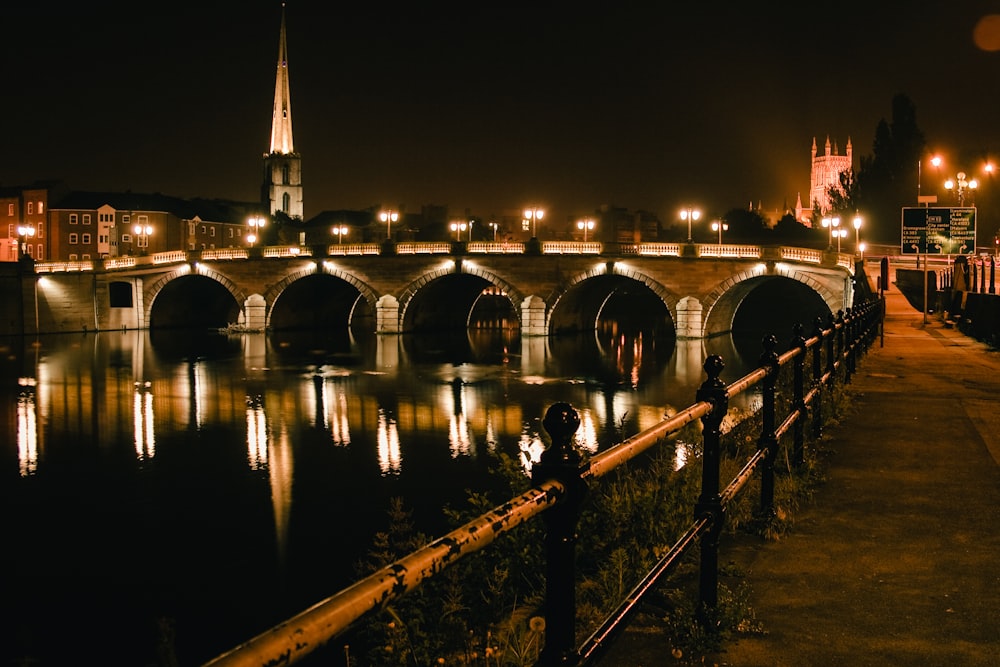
(388, 217)
(690, 214)
(534, 215)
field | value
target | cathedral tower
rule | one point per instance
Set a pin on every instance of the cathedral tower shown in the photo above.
(826, 170)
(282, 188)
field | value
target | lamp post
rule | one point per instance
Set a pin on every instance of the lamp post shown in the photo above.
(858, 222)
(143, 232)
(340, 230)
(961, 186)
(936, 163)
(840, 233)
(458, 228)
(388, 217)
(720, 227)
(494, 226)
(534, 215)
(585, 225)
(255, 223)
(832, 224)
(690, 214)
(861, 250)
(24, 232)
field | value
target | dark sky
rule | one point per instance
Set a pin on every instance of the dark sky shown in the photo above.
(486, 106)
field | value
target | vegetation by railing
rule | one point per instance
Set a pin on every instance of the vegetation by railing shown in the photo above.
(562, 476)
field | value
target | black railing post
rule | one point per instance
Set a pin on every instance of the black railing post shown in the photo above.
(799, 395)
(848, 338)
(561, 461)
(768, 439)
(710, 503)
(817, 379)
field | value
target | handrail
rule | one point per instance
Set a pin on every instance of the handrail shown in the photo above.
(558, 481)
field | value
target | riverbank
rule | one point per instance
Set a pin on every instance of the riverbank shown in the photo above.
(893, 561)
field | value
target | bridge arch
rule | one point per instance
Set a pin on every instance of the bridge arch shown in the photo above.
(466, 285)
(609, 291)
(179, 299)
(722, 303)
(333, 296)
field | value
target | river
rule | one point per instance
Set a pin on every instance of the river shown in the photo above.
(181, 490)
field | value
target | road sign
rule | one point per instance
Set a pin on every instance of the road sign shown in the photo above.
(939, 231)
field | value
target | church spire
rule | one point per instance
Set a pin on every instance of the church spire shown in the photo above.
(281, 191)
(281, 121)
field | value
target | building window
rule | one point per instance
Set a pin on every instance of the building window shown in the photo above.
(41, 208)
(191, 230)
(73, 218)
(74, 238)
(31, 208)
(286, 202)
(40, 230)
(86, 255)
(212, 230)
(126, 219)
(10, 209)
(284, 174)
(126, 238)
(86, 218)
(203, 229)
(73, 257)
(85, 239)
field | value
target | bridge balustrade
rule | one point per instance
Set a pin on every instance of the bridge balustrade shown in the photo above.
(561, 478)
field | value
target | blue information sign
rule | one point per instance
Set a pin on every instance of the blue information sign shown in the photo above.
(939, 231)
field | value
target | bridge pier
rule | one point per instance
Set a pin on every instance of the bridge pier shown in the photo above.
(689, 318)
(387, 315)
(533, 321)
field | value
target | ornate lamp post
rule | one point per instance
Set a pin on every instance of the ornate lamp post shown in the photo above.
(961, 186)
(832, 224)
(494, 226)
(388, 217)
(690, 215)
(534, 214)
(858, 222)
(255, 223)
(840, 233)
(24, 232)
(719, 226)
(143, 232)
(585, 225)
(340, 230)
(459, 227)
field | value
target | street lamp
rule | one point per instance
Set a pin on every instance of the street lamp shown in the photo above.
(861, 249)
(340, 230)
(388, 217)
(690, 214)
(585, 225)
(143, 232)
(857, 232)
(832, 224)
(255, 223)
(840, 233)
(961, 186)
(720, 227)
(24, 232)
(494, 226)
(458, 228)
(534, 215)
(936, 163)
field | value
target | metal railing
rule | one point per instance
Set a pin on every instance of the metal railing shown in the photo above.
(561, 476)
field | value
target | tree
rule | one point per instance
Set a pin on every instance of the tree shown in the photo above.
(887, 179)
(745, 225)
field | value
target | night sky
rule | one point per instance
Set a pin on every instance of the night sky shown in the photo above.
(486, 106)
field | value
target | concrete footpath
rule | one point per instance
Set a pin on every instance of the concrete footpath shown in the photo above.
(895, 560)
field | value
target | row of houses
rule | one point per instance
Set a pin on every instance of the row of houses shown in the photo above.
(49, 222)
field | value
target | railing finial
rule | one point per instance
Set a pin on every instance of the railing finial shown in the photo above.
(561, 422)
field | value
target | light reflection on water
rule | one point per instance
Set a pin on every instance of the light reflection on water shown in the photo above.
(228, 482)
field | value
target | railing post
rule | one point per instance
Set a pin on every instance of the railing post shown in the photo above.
(848, 338)
(821, 343)
(768, 439)
(710, 503)
(799, 396)
(561, 462)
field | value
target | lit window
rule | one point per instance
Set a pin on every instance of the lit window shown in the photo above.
(41, 208)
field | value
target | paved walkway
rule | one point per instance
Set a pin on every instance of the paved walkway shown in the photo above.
(896, 558)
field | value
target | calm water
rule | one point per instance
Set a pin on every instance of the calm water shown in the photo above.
(215, 485)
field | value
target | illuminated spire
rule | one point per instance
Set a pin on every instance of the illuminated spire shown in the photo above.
(281, 121)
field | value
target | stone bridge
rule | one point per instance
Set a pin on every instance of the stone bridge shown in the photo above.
(542, 288)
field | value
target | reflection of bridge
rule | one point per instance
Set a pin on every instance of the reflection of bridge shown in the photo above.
(543, 288)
